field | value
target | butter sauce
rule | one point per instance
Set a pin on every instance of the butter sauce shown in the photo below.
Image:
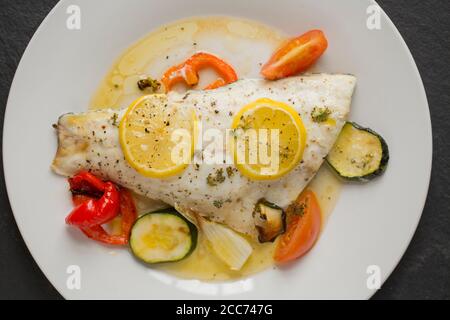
(202, 264)
(246, 45)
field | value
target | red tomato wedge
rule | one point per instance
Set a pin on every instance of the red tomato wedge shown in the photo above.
(304, 220)
(296, 55)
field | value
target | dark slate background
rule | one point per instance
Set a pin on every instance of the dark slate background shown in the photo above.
(424, 271)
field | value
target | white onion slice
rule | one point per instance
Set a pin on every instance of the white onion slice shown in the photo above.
(229, 246)
(190, 215)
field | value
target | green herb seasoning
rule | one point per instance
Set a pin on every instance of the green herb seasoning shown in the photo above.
(298, 209)
(218, 203)
(215, 179)
(320, 115)
(114, 119)
(230, 172)
(150, 83)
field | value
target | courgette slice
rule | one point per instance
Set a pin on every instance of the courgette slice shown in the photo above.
(269, 220)
(162, 237)
(360, 154)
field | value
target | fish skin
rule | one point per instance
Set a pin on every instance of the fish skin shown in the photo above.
(90, 141)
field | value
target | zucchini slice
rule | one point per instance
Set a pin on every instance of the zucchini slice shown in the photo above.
(360, 154)
(162, 237)
(269, 220)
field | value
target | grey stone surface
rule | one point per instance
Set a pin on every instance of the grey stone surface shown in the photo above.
(424, 271)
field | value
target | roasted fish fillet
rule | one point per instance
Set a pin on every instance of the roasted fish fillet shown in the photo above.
(90, 141)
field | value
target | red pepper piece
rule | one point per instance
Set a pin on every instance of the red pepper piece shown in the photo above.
(128, 212)
(188, 71)
(94, 211)
(97, 233)
(86, 183)
(78, 199)
(129, 216)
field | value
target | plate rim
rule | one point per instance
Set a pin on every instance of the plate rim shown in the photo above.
(399, 37)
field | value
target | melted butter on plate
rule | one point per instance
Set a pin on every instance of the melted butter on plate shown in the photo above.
(246, 45)
(204, 265)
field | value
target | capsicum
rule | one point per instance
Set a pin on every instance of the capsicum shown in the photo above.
(84, 187)
(93, 211)
(188, 71)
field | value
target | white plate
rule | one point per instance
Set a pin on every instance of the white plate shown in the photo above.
(372, 224)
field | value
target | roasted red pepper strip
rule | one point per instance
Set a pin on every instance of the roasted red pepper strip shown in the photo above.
(86, 183)
(216, 84)
(94, 211)
(128, 212)
(78, 199)
(188, 71)
(129, 216)
(97, 233)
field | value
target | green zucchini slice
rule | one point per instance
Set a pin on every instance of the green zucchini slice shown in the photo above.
(162, 237)
(360, 154)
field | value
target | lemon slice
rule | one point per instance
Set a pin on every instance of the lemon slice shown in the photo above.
(280, 139)
(158, 139)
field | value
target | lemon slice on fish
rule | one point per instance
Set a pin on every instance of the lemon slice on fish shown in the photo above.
(268, 139)
(158, 139)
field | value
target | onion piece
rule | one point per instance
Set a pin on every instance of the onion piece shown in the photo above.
(228, 245)
(190, 215)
